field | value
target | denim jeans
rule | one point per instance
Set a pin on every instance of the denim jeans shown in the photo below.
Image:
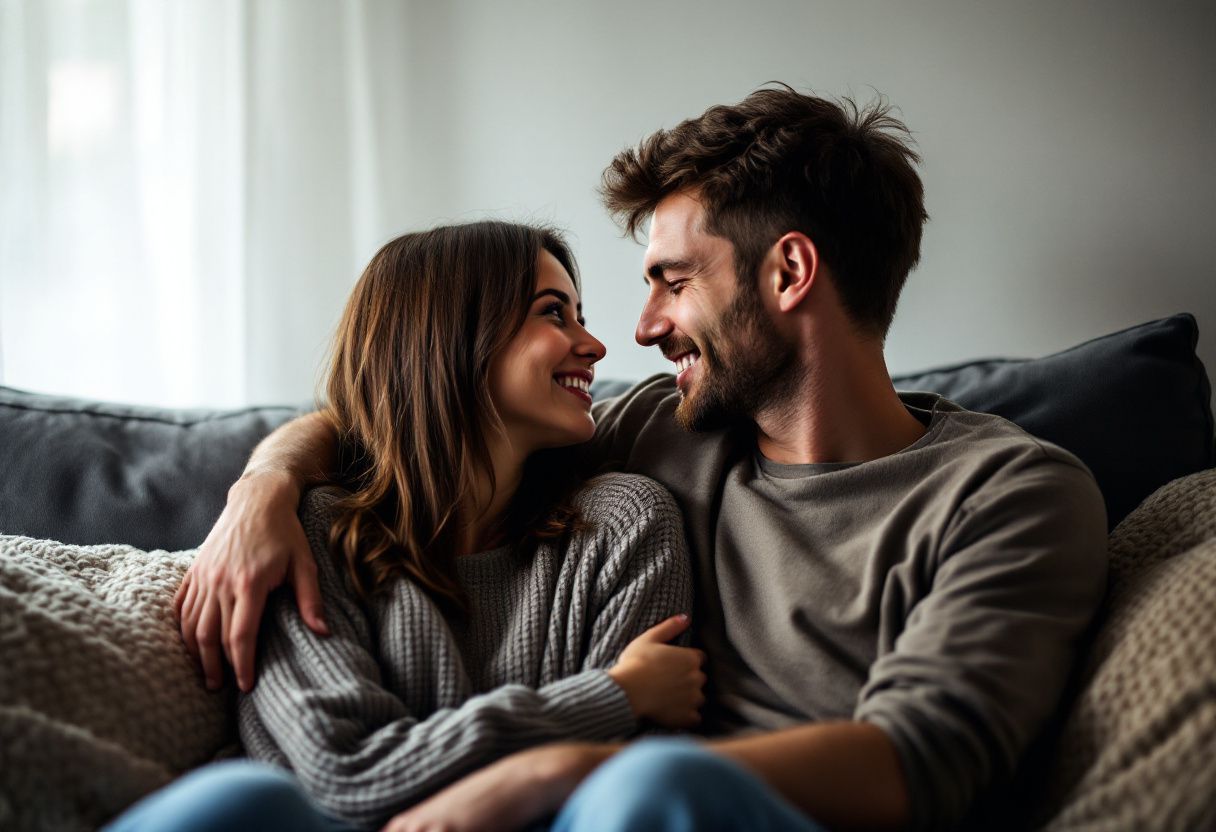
(676, 785)
(236, 795)
(655, 785)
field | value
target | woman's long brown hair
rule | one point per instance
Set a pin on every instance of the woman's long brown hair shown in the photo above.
(408, 396)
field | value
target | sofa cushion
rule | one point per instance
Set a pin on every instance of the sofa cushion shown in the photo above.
(1136, 749)
(81, 471)
(99, 702)
(1135, 406)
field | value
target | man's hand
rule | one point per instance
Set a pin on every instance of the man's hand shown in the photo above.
(255, 545)
(507, 795)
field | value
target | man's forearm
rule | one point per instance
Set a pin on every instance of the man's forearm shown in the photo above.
(844, 775)
(303, 452)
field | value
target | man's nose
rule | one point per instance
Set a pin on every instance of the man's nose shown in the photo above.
(653, 326)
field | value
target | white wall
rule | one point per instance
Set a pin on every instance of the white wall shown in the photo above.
(1069, 161)
(1069, 148)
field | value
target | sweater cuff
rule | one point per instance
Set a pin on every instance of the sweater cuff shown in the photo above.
(592, 706)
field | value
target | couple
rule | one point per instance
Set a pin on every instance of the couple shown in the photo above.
(889, 590)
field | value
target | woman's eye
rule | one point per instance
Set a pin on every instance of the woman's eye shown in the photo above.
(556, 310)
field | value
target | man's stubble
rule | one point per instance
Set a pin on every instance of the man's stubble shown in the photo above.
(745, 366)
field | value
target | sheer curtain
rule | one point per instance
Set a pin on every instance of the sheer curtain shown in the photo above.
(189, 190)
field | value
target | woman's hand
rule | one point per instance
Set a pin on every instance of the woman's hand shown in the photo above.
(663, 682)
(255, 545)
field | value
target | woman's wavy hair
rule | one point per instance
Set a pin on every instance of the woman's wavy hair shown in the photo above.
(409, 399)
(781, 161)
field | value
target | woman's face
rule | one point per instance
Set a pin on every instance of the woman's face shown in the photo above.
(539, 382)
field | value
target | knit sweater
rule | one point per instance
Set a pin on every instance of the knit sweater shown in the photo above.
(400, 701)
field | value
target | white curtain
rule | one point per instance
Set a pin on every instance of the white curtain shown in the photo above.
(188, 191)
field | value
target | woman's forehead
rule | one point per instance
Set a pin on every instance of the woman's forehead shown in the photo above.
(551, 274)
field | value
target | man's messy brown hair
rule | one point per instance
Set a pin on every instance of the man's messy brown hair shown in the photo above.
(781, 161)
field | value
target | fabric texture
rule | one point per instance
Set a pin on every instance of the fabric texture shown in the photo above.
(940, 592)
(400, 700)
(99, 701)
(1138, 747)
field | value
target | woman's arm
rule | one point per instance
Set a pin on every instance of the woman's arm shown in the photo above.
(643, 577)
(364, 747)
(256, 544)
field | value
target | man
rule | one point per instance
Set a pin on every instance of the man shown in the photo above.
(890, 589)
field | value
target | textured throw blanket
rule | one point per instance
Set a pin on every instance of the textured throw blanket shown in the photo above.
(99, 702)
(1138, 748)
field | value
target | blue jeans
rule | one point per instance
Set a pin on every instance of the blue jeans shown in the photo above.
(656, 785)
(675, 785)
(232, 795)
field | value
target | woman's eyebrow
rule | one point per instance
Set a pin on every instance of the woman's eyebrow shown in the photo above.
(559, 294)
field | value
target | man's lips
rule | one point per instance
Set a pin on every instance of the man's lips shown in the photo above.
(686, 365)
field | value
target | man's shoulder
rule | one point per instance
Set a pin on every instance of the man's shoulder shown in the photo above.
(985, 438)
(655, 395)
(993, 463)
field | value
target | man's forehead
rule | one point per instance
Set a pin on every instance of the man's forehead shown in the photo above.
(676, 230)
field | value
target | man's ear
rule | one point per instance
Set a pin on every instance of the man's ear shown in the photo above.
(797, 266)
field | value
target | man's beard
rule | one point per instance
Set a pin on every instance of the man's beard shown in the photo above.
(744, 367)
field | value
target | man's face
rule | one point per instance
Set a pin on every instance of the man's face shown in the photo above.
(729, 360)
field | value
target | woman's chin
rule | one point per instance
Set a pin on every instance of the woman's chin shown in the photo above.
(572, 435)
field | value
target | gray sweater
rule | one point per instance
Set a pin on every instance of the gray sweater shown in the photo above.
(940, 592)
(399, 701)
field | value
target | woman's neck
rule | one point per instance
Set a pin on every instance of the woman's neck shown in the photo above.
(486, 509)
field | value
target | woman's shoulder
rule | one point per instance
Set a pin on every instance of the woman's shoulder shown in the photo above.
(318, 511)
(319, 508)
(628, 497)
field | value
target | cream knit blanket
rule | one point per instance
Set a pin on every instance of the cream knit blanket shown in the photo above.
(99, 702)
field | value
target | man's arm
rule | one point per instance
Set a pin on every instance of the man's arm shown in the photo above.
(843, 775)
(255, 545)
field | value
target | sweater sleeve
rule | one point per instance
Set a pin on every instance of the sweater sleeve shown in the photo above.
(984, 657)
(644, 575)
(365, 749)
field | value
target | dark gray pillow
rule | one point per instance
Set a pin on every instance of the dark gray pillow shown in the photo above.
(1135, 405)
(90, 472)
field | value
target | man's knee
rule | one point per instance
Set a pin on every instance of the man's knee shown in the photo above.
(667, 784)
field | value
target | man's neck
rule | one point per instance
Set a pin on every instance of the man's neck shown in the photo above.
(844, 409)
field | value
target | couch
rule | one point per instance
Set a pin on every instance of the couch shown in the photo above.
(1134, 744)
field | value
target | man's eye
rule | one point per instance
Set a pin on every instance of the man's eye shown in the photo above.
(676, 288)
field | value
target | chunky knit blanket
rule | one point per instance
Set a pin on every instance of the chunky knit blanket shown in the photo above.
(99, 702)
(1138, 747)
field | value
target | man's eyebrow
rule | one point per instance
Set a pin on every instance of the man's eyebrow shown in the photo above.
(559, 294)
(658, 268)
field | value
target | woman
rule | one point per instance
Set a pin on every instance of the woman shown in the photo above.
(481, 599)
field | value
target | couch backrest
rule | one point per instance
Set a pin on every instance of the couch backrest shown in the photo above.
(91, 472)
(1134, 406)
